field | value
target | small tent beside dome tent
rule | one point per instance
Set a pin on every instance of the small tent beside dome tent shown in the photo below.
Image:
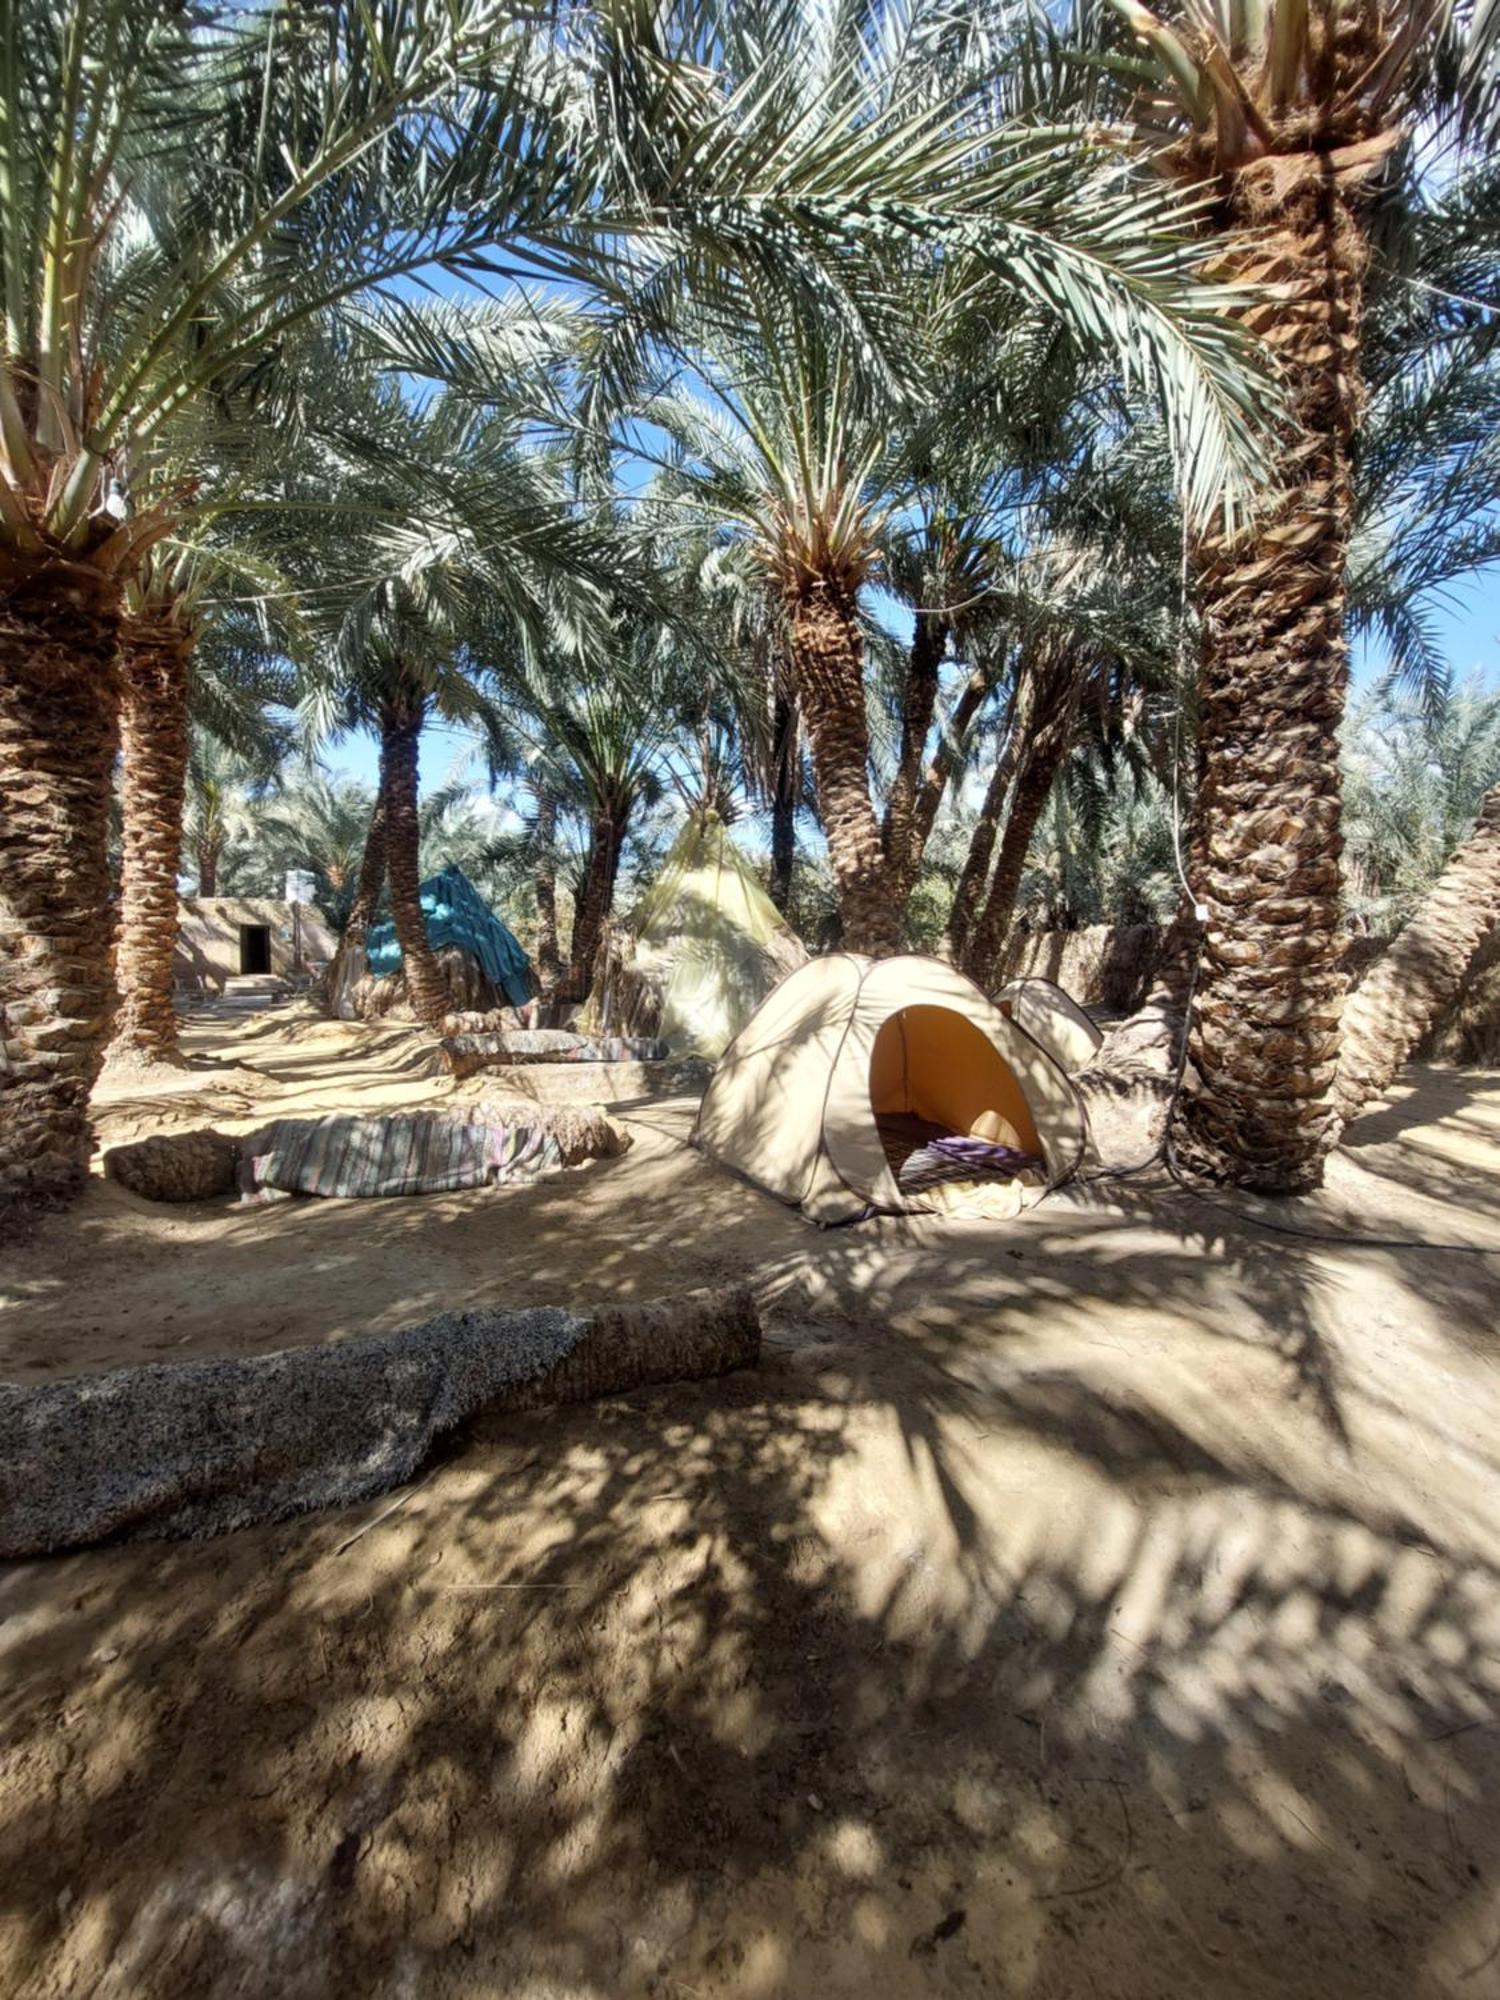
(1051, 1016)
(796, 1103)
(698, 953)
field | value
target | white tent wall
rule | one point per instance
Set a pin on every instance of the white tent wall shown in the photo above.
(1054, 1018)
(793, 1104)
(767, 1098)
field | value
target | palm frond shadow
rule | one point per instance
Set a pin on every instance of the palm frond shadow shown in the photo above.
(968, 1619)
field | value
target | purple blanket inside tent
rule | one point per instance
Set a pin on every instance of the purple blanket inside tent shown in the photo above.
(983, 1156)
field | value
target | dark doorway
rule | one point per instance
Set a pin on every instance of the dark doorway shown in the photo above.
(255, 947)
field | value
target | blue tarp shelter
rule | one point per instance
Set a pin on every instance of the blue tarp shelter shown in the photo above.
(456, 914)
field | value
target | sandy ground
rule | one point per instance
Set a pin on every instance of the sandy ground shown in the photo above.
(1106, 1603)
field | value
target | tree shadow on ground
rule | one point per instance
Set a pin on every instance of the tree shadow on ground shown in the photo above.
(1052, 1630)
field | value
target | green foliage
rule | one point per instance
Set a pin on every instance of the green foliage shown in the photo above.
(1414, 775)
(727, 296)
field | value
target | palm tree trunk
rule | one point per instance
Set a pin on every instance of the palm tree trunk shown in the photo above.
(1033, 788)
(155, 650)
(969, 893)
(207, 858)
(785, 760)
(595, 898)
(1263, 1041)
(828, 661)
(918, 706)
(944, 763)
(349, 960)
(968, 896)
(548, 957)
(400, 734)
(59, 726)
(1410, 985)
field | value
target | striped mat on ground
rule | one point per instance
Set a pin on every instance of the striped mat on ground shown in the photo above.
(403, 1152)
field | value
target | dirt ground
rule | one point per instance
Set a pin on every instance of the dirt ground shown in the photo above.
(1101, 1604)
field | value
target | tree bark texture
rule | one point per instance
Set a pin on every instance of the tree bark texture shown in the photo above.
(155, 654)
(968, 896)
(544, 876)
(828, 662)
(1263, 1041)
(786, 757)
(1039, 759)
(59, 725)
(595, 897)
(898, 833)
(349, 961)
(400, 735)
(1409, 985)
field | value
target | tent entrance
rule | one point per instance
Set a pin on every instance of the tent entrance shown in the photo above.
(933, 1070)
(255, 948)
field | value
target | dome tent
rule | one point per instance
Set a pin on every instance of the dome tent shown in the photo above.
(1051, 1016)
(700, 951)
(845, 1043)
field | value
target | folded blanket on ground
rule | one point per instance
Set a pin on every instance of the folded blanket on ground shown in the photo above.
(402, 1152)
(463, 1054)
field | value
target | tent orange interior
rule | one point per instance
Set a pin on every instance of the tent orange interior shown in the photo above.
(934, 1064)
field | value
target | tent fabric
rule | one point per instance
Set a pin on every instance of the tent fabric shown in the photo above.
(457, 916)
(797, 1103)
(1052, 1017)
(699, 952)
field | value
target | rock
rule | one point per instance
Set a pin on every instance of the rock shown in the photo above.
(176, 1166)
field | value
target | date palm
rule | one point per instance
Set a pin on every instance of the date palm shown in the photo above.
(796, 452)
(175, 194)
(594, 721)
(182, 655)
(1423, 806)
(1295, 117)
(474, 552)
(320, 824)
(1409, 986)
(181, 190)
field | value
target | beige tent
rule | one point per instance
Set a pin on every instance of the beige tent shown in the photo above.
(798, 1102)
(1053, 1018)
(699, 952)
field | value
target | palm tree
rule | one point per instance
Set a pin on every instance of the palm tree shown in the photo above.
(1078, 630)
(349, 960)
(227, 793)
(1419, 777)
(262, 137)
(1409, 986)
(321, 825)
(180, 192)
(155, 650)
(475, 558)
(1104, 853)
(797, 451)
(182, 656)
(1295, 117)
(596, 721)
